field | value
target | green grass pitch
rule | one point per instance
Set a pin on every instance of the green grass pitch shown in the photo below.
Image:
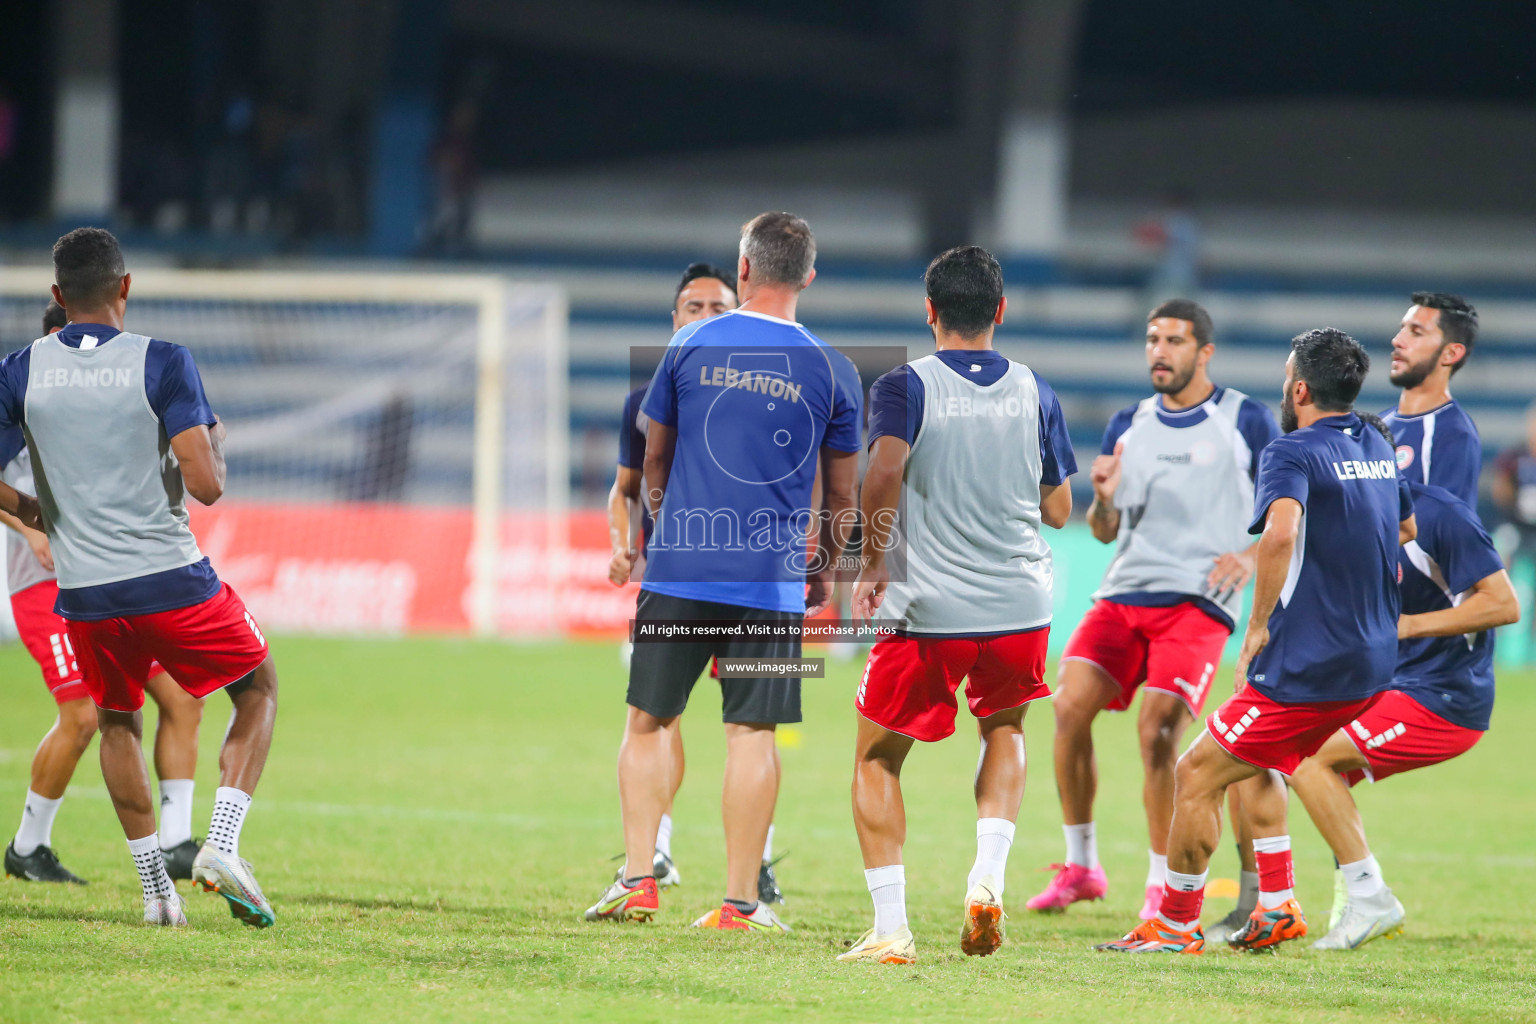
(436, 814)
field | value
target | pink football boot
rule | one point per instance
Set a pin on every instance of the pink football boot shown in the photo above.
(1072, 883)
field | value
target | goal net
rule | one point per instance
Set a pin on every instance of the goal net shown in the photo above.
(398, 443)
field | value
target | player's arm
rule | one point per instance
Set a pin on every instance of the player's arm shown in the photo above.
(1233, 570)
(1282, 525)
(1407, 530)
(1490, 603)
(1055, 504)
(624, 493)
(880, 498)
(37, 540)
(839, 482)
(660, 443)
(1103, 517)
(200, 452)
(23, 506)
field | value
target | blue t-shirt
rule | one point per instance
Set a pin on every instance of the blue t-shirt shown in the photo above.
(1450, 675)
(1333, 633)
(1257, 426)
(1439, 447)
(754, 399)
(12, 441)
(632, 452)
(896, 407)
(174, 390)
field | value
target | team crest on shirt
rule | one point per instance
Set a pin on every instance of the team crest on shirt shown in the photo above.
(1404, 457)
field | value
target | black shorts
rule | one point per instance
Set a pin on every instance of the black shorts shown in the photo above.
(662, 673)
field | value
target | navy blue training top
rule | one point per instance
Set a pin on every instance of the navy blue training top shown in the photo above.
(1450, 675)
(1333, 633)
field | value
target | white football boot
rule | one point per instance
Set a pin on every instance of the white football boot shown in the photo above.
(1363, 920)
(899, 947)
(232, 878)
(167, 911)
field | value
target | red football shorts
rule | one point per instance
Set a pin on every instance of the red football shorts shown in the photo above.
(1174, 649)
(1398, 734)
(46, 637)
(1267, 734)
(204, 647)
(910, 683)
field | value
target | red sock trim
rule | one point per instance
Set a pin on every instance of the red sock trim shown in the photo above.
(1275, 871)
(1181, 906)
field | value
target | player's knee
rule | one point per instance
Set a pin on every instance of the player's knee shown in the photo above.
(1074, 712)
(641, 723)
(78, 724)
(182, 715)
(1160, 740)
(1192, 775)
(261, 682)
(116, 723)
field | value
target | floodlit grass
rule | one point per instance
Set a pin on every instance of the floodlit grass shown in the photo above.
(436, 814)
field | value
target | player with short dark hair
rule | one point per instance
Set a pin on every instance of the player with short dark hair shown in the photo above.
(34, 591)
(1173, 490)
(743, 409)
(969, 456)
(704, 291)
(120, 431)
(1437, 442)
(1455, 593)
(1321, 641)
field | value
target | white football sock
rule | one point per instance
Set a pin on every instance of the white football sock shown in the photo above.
(1157, 868)
(1248, 890)
(1363, 878)
(1082, 847)
(36, 829)
(1273, 844)
(888, 888)
(151, 865)
(175, 811)
(664, 836)
(768, 846)
(994, 837)
(229, 807)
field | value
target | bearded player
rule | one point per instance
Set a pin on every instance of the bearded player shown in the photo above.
(34, 591)
(1173, 489)
(1437, 442)
(1455, 593)
(1321, 641)
(119, 431)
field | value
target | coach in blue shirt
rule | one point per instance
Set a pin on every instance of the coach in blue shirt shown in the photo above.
(743, 409)
(1321, 639)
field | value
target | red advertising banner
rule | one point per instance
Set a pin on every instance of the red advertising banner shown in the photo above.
(368, 567)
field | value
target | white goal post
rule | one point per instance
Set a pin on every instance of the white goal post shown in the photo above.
(330, 379)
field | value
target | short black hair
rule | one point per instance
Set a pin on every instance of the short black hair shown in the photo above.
(1190, 310)
(1458, 320)
(54, 317)
(1370, 419)
(965, 284)
(87, 266)
(779, 247)
(698, 270)
(1334, 366)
